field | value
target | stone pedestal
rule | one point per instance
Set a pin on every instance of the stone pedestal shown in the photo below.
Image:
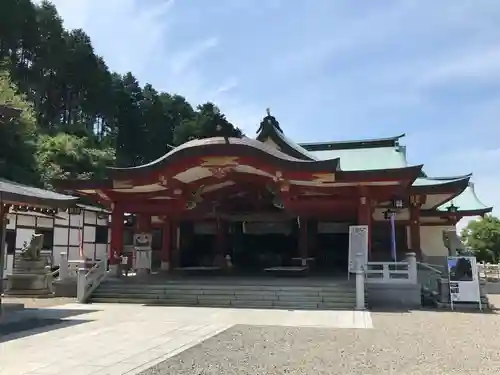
(114, 270)
(29, 277)
(143, 261)
(165, 266)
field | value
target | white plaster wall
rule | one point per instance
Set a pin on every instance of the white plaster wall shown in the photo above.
(89, 250)
(12, 221)
(44, 222)
(76, 220)
(431, 240)
(62, 219)
(90, 217)
(103, 221)
(89, 234)
(25, 221)
(23, 235)
(65, 239)
(101, 250)
(61, 236)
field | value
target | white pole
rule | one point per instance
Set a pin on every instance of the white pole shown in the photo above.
(360, 282)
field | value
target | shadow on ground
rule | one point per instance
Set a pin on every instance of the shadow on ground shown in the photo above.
(35, 321)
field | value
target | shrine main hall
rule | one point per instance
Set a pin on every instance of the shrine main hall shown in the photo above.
(270, 202)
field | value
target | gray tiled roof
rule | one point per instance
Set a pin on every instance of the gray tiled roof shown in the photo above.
(13, 192)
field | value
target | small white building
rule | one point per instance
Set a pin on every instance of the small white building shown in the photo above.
(63, 230)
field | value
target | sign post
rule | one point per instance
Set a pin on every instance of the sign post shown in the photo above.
(358, 244)
(463, 280)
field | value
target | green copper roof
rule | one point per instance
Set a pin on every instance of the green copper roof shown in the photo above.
(360, 159)
(466, 201)
(433, 181)
(350, 144)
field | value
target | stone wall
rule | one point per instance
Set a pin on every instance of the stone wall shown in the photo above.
(393, 295)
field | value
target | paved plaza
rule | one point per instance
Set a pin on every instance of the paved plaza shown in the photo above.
(113, 339)
(153, 340)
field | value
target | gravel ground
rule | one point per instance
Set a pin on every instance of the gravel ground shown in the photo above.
(401, 343)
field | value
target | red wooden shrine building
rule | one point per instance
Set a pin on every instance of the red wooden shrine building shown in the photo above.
(267, 201)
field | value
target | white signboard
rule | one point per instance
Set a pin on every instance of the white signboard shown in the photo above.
(358, 243)
(463, 279)
(143, 250)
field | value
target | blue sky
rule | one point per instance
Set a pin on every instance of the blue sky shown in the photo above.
(328, 69)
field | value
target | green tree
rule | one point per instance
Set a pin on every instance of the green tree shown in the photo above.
(72, 92)
(208, 122)
(482, 236)
(66, 156)
(17, 137)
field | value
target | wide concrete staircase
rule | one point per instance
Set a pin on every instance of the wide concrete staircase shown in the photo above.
(272, 293)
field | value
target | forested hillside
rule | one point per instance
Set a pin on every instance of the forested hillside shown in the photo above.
(78, 116)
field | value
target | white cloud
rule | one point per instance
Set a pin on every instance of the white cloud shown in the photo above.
(227, 86)
(186, 58)
(471, 65)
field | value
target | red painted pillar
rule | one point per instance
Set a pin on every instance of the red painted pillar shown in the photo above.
(116, 246)
(165, 250)
(365, 218)
(415, 230)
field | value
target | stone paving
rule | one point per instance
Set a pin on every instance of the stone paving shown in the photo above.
(113, 339)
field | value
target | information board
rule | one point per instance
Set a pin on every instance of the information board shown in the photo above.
(358, 243)
(463, 279)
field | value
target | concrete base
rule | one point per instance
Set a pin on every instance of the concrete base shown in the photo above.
(114, 270)
(30, 277)
(143, 272)
(165, 266)
(394, 295)
(65, 288)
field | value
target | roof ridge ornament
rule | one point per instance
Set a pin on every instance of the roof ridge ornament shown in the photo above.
(269, 122)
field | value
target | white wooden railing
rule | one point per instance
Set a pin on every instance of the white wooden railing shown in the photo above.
(68, 269)
(489, 271)
(89, 280)
(392, 272)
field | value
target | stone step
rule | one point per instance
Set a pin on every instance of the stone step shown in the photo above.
(340, 295)
(265, 294)
(180, 286)
(226, 303)
(255, 296)
(288, 289)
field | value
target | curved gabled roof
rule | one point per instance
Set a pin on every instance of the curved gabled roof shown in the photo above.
(270, 129)
(441, 184)
(353, 144)
(467, 201)
(218, 146)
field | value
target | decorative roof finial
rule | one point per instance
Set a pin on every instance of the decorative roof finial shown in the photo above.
(269, 122)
